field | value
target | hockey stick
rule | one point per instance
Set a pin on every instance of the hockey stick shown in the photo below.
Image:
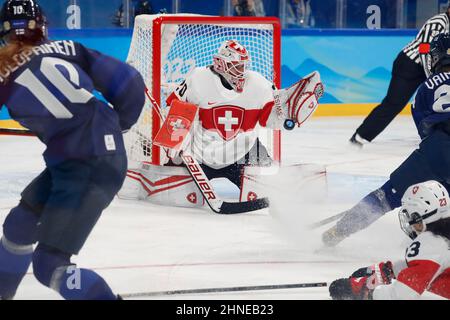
(204, 185)
(327, 220)
(16, 132)
(227, 289)
(212, 199)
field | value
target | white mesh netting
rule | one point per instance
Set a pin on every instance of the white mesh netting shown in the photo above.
(184, 46)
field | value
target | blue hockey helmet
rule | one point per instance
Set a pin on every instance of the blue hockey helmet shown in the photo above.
(23, 19)
(440, 52)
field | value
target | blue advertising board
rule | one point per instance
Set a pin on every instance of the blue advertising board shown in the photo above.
(355, 65)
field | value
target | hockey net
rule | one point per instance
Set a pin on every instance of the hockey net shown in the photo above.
(165, 48)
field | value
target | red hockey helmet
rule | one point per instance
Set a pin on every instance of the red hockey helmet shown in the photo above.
(232, 63)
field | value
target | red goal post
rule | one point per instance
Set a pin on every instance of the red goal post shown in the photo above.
(165, 48)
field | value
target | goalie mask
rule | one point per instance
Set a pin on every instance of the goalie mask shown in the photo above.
(423, 203)
(23, 19)
(231, 62)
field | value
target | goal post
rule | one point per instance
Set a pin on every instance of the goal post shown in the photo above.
(165, 48)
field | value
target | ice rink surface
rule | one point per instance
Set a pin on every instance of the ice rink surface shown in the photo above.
(141, 247)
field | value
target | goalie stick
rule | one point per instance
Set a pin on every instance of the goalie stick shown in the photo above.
(216, 204)
(226, 289)
(212, 199)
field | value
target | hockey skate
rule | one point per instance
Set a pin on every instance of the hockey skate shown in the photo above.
(332, 237)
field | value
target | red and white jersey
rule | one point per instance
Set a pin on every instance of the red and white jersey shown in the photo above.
(426, 267)
(228, 121)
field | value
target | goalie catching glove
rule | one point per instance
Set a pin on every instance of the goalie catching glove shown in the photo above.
(294, 105)
(360, 285)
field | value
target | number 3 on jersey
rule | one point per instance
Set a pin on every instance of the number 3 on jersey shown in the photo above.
(65, 86)
(413, 249)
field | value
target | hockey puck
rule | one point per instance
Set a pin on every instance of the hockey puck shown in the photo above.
(289, 124)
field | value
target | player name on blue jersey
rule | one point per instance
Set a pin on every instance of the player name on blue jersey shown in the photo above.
(431, 108)
(64, 47)
(437, 80)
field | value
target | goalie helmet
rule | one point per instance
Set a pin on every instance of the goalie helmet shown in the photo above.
(231, 62)
(424, 203)
(23, 19)
(440, 52)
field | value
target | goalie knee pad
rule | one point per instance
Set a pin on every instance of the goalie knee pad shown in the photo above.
(164, 185)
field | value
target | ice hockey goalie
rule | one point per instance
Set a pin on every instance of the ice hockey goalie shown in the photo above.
(232, 103)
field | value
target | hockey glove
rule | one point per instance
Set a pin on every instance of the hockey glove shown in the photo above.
(382, 273)
(360, 285)
(298, 102)
(349, 289)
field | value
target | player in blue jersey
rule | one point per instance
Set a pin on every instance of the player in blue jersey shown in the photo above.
(431, 161)
(47, 87)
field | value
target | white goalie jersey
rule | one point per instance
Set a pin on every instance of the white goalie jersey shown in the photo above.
(227, 126)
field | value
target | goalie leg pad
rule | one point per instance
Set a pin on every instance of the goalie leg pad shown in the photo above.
(252, 187)
(163, 185)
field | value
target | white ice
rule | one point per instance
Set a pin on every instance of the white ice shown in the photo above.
(140, 247)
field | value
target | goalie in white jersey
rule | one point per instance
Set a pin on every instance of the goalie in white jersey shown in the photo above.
(425, 218)
(233, 102)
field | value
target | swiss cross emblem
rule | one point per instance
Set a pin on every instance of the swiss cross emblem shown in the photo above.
(251, 196)
(177, 125)
(192, 198)
(228, 121)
